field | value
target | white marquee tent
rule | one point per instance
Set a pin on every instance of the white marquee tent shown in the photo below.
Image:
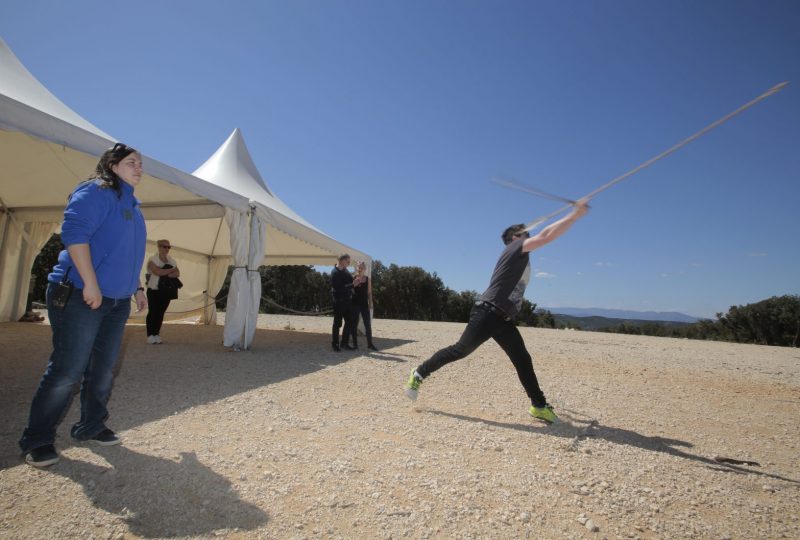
(222, 215)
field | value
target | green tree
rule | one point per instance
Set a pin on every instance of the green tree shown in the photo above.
(408, 293)
(527, 314)
(297, 288)
(545, 319)
(774, 321)
(43, 264)
(459, 305)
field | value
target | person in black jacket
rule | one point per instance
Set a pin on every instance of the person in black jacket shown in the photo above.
(342, 295)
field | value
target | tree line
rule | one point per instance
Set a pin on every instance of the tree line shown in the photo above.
(774, 321)
(398, 292)
(412, 293)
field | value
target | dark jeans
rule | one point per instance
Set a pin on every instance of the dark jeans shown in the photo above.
(341, 312)
(157, 304)
(363, 311)
(86, 343)
(483, 324)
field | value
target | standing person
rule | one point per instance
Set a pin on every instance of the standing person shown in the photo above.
(342, 294)
(492, 316)
(88, 302)
(362, 304)
(159, 266)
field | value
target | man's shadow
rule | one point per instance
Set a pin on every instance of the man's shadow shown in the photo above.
(576, 429)
(159, 497)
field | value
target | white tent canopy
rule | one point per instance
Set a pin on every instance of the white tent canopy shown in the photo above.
(46, 149)
(289, 238)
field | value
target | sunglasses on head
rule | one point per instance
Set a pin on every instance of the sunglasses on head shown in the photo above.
(119, 147)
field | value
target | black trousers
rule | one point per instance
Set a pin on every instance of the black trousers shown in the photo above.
(342, 312)
(484, 324)
(362, 311)
(157, 304)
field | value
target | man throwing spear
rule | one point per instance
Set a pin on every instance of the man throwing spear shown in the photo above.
(493, 314)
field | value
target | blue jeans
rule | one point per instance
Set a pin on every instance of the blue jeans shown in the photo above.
(484, 324)
(86, 343)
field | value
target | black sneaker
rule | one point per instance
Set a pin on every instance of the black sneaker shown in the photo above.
(106, 438)
(372, 347)
(336, 348)
(43, 456)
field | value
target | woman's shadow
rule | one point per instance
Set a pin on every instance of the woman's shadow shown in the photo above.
(159, 497)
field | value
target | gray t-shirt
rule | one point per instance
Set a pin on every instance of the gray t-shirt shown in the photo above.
(509, 279)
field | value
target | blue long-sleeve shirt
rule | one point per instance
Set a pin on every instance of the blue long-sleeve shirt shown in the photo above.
(114, 228)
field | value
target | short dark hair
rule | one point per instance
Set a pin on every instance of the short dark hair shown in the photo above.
(509, 234)
(112, 157)
(343, 256)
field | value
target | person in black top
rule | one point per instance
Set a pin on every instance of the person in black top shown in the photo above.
(362, 300)
(492, 316)
(342, 294)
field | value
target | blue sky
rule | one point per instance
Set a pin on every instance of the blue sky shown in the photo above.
(382, 122)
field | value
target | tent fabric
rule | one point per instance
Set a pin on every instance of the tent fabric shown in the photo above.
(21, 254)
(217, 272)
(292, 239)
(244, 297)
(255, 257)
(46, 149)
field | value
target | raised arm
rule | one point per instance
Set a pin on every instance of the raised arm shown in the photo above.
(554, 230)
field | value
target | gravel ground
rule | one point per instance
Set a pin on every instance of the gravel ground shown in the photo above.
(291, 440)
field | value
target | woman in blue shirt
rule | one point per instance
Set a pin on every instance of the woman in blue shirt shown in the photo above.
(104, 235)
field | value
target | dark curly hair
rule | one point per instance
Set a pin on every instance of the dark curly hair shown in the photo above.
(112, 157)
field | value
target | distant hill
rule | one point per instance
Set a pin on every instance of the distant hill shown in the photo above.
(596, 323)
(663, 316)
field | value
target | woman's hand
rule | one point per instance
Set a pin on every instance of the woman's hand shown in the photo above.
(92, 295)
(141, 301)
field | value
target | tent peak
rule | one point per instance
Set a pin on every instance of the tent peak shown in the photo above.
(233, 163)
(20, 85)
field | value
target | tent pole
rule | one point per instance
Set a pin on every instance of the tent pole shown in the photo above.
(245, 345)
(4, 241)
(206, 317)
(15, 314)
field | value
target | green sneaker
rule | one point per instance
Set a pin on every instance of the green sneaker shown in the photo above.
(544, 413)
(412, 386)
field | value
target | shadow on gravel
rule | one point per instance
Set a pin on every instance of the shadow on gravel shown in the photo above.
(158, 497)
(155, 381)
(391, 357)
(575, 428)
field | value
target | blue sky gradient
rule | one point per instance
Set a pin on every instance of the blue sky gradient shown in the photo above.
(381, 123)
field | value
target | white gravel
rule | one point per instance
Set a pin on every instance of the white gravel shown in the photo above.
(291, 440)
